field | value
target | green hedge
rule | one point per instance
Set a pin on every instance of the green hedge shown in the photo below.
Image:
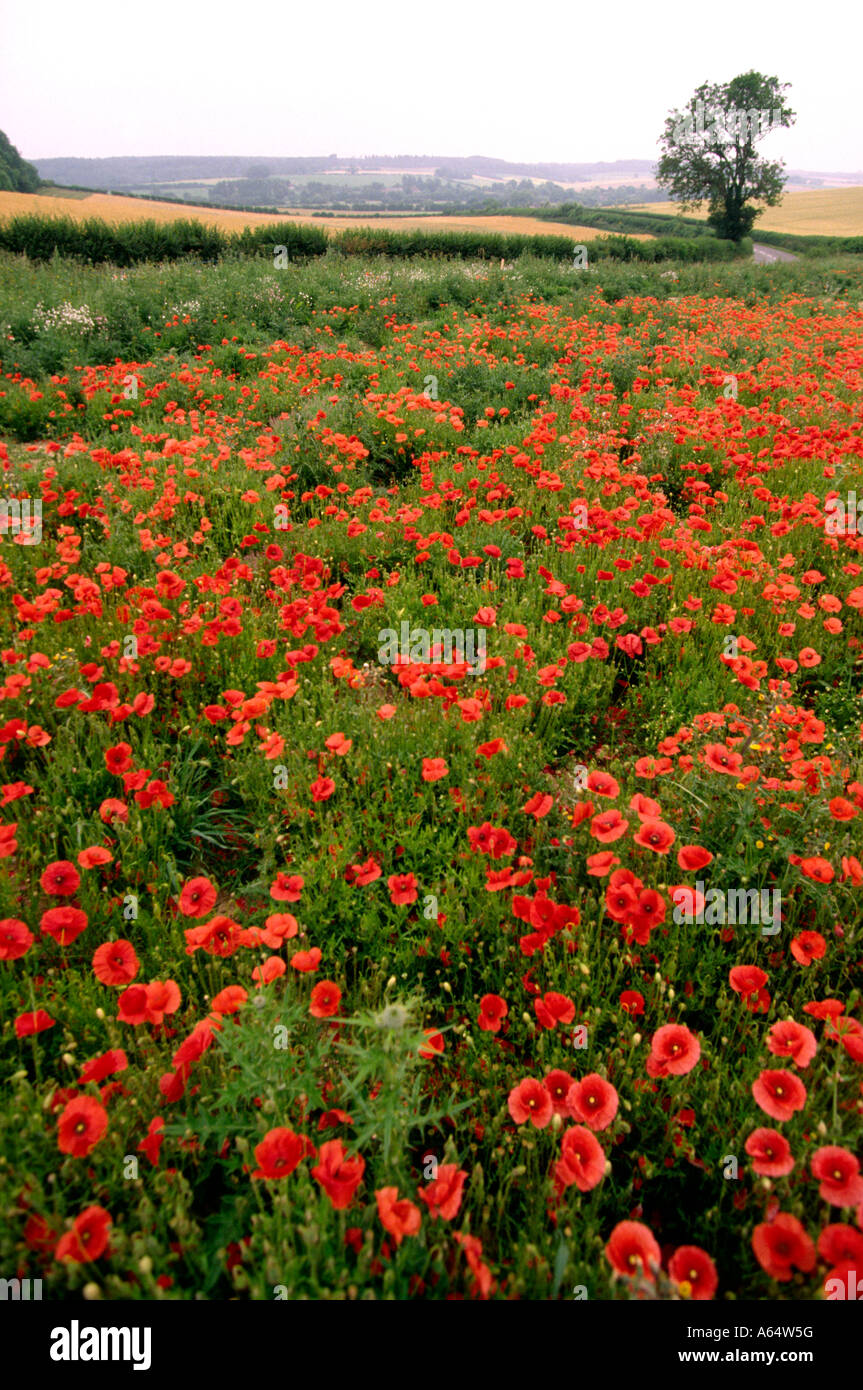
(371, 241)
(129, 243)
(811, 245)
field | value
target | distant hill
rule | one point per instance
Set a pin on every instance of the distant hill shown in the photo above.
(133, 170)
(263, 180)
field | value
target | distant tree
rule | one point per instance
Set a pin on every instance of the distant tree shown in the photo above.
(709, 151)
(16, 175)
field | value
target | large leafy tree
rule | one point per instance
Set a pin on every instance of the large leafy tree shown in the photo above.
(709, 151)
(16, 175)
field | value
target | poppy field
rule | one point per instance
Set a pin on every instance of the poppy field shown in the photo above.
(432, 777)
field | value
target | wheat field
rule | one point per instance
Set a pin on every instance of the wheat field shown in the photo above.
(114, 207)
(815, 212)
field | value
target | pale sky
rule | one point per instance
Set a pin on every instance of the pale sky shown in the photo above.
(446, 77)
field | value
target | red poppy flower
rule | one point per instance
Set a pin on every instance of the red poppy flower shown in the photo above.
(220, 936)
(818, 869)
(539, 805)
(633, 1251)
(782, 1245)
(779, 1094)
(115, 963)
(279, 1153)
(88, 1238)
(363, 874)
(794, 1040)
(325, 999)
(286, 888)
(306, 961)
(529, 1100)
(770, 1153)
(81, 1125)
(279, 927)
(691, 857)
(608, 826)
(94, 856)
(37, 1022)
(838, 1171)
(400, 1218)
(198, 897)
(154, 1140)
(720, 759)
(434, 769)
(322, 788)
(838, 1243)
(694, 1273)
(39, 1235)
(337, 1174)
(229, 1000)
(65, 924)
(603, 784)
(61, 879)
(558, 1084)
(107, 1065)
(748, 981)
(655, 835)
(443, 1195)
(808, 946)
(112, 809)
(632, 1002)
(16, 938)
(274, 966)
(674, 1051)
(582, 1160)
(553, 1009)
(119, 758)
(432, 1046)
(492, 1011)
(594, 1101)
(403, 889)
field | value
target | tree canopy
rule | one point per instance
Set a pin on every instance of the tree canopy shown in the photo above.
(709, 151)
(16, 175)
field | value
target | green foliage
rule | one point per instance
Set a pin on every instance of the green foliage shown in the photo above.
(16, 175)
(709, 151)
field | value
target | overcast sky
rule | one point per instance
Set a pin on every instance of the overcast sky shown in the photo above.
(541, 81)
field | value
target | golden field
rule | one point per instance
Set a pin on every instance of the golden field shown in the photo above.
(114, 207)
(816, 212)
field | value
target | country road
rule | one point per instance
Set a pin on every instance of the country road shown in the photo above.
(768, 255)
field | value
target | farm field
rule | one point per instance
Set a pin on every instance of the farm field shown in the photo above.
(816, 212)
(430, 848)
(115, 208)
